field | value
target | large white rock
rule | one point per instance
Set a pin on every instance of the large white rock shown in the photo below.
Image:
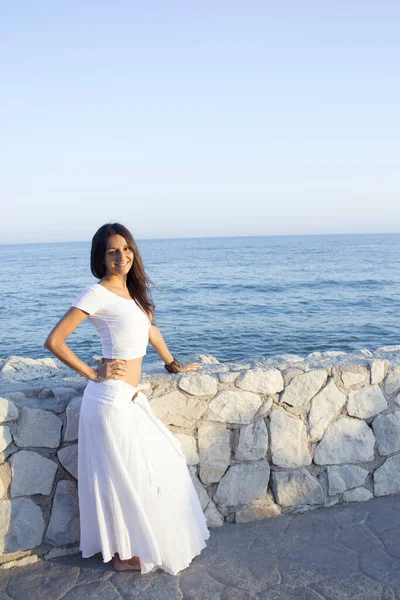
(228, 377)
(213, 516)
(31, 474)
(64, 520)
(204, 498)
(262, 381)
(289, 445)
(366, 402)
(304, 387)
(345, 477)
(62, 397)
(8, 410)
(233, 407)
(392, 381)
(387, 477)
(21, 525)
(378, 370)
(387, 433)
(351, 375)
(215, 451)
(38, 428)
(243, 484)
(296, 488)
(73, 410)
(68, 457)
(5, 437)
(199, 384)
(325, 406)
(253, 441)
(264, 508)
(188, 445)
(21, 369)
(176, 409)
(345, 441)
(360, 494)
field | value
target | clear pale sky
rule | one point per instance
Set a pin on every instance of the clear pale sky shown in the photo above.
(182, 118)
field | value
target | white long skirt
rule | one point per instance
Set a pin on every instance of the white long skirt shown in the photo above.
(136, 496)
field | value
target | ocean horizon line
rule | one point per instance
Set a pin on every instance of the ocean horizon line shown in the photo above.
(216, 237)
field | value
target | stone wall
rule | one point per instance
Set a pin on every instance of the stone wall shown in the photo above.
(282, 435)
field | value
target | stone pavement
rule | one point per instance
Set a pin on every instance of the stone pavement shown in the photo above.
(347, 552)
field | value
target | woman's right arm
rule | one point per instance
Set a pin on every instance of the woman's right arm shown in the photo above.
(56, 344)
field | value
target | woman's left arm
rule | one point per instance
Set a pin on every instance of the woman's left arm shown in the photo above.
(157, 341)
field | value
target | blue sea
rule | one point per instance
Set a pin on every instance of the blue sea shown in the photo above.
(235, 298)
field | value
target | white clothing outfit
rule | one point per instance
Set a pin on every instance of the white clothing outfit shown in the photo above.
(136, 496)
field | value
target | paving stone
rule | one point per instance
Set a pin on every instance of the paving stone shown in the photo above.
(43, 581)
(347, 440)
(31, 474)
(262, 381)
(304, 387)
(64, 520)
(96, 590)
(390, 539)
(72, 412)
(359, 538)
(293, 557)
(38, 428)
(366, 402)
(157, 586)
(289, 442)
(379, 565)
(198, 384)
(387, 433)
(355, 587)
(306, 564)
(233, 407)
(382, 520)
(242, 484)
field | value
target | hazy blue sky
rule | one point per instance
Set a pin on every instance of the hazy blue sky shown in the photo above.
(183, 118)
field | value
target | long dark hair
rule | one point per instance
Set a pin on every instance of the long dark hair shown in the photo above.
(137, 281)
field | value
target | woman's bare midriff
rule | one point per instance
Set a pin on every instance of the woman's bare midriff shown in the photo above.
(133, 371)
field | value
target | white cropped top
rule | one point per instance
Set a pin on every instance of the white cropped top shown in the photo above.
(123, 326)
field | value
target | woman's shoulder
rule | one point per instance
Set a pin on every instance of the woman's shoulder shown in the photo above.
(88, 299)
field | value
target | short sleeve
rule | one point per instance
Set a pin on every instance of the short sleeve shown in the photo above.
(87, 301)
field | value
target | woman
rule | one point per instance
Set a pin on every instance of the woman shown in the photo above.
(137, 502)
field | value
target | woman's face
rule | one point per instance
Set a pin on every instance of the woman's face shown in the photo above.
(119, 257)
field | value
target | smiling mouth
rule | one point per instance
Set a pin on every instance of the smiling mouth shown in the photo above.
(122, 264)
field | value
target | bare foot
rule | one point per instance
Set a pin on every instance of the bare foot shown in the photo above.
(132, 564)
